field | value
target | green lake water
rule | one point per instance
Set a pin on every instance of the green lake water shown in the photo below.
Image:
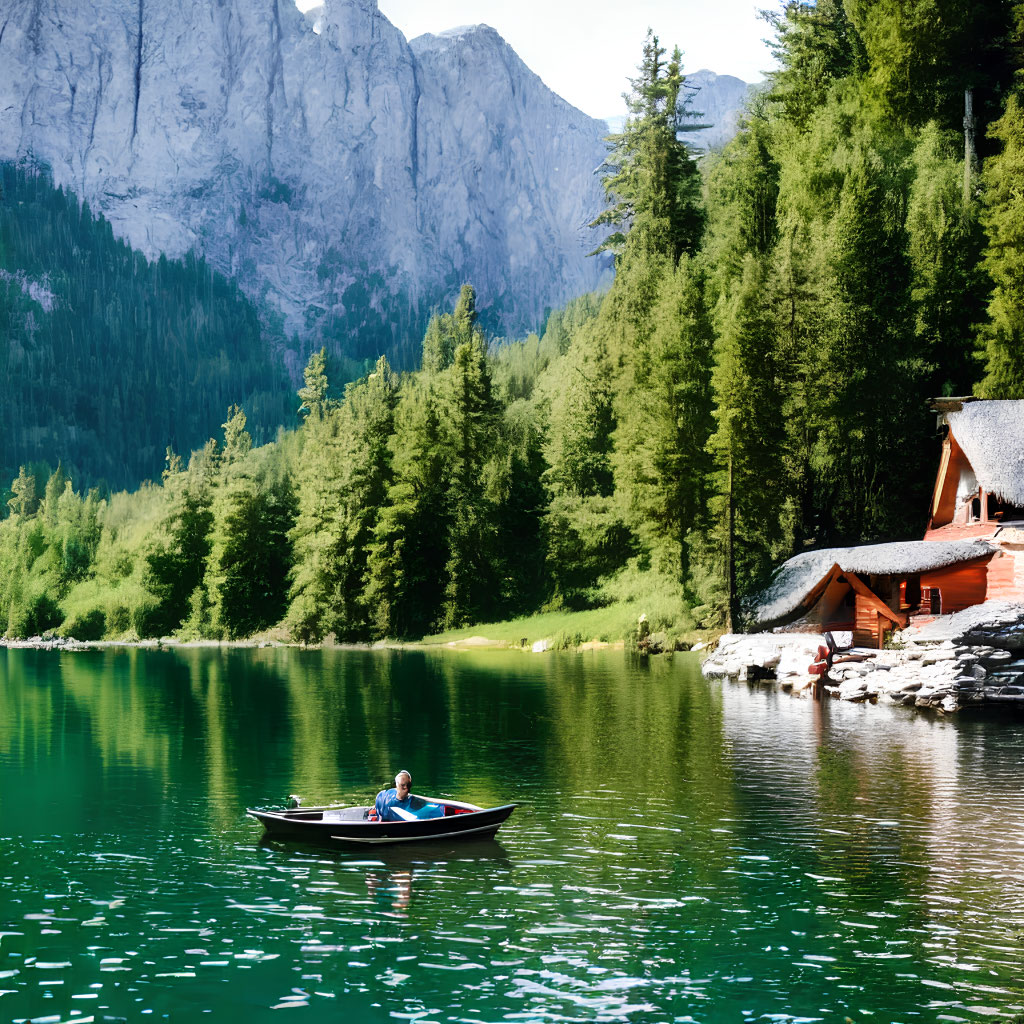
(684, 850)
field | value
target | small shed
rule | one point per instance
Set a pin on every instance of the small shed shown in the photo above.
(872, 589)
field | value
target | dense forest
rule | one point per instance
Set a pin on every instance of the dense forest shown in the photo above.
(106, 357)
(754, 383)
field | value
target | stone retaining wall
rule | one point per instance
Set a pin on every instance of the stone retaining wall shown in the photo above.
(983, 664)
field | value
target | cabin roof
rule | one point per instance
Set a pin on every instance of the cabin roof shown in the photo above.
(991, 435)
(796, 579)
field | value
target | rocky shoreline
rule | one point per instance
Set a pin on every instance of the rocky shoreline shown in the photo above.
(52, 642)
(967, 660)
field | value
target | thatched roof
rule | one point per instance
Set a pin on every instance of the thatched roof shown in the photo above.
(991, 435)
(795, 579)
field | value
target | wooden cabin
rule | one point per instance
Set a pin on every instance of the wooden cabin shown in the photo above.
(979, 489)
(973, 548)
(873, 589)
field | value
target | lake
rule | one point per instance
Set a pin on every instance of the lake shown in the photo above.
(684, 850)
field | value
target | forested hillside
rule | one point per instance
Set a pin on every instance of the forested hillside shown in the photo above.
(108, 358)
(755, 382)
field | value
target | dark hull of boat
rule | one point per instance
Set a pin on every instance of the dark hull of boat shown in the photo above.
(347, 825)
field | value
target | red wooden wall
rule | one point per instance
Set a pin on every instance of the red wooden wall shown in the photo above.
(960, 585)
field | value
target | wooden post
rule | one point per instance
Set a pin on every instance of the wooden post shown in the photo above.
(969, 152)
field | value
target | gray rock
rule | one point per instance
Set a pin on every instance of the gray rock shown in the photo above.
(327, 163)
(998, 657)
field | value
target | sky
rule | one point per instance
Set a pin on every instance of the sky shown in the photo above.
(585, 50)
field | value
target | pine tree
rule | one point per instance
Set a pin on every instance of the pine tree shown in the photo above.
(405, 577)
(869, 381)
(316, 536)
(652, 182)
(469, 428)
(748, 446)
(816, 46)
(587, 537)
(367, 423)
(23, 501)
(237, 440)
(661, 462)
(1003, 219)
(948, 286)
(313, 393)
(176, 565)
(250, 556)
(438, 344)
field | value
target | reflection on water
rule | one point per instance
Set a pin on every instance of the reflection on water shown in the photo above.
(683, 851)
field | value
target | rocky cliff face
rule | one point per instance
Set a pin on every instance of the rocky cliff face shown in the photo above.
(719, 99)
(716, 101)
(349, 179)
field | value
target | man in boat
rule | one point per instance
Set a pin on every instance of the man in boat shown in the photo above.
(398, 804)
(399, 797)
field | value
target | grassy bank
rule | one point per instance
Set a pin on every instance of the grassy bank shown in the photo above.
(563, 629)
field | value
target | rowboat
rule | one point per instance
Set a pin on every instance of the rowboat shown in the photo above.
(453, 820)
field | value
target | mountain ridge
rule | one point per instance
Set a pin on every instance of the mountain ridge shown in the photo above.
(348, 179)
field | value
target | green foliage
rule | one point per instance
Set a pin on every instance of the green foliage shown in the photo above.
(948, 286)
(815, 46)
(749, 483)
(105, 357)
(755, 382)
(664, 423)
(1003, 219)
(469, 424)
(653, 185)
(407, 558)
(313, 394)
(250, 556)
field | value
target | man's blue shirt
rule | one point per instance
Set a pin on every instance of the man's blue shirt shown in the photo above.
(388, 798)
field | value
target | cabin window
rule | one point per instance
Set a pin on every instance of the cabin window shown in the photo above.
(974, 514)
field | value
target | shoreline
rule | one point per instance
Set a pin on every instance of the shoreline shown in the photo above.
(969, 659)
(475, 643)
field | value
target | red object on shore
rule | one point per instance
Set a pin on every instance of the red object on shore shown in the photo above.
(819, 668)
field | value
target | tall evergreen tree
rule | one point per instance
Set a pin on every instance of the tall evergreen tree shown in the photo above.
(948, 286)
(816, 45)
(316, 535)
(176, 565)
(406, 563)
(313, 393)
(748, 444)
(470, 426)
(652, 182)
(1003, 219)
(661, 463)
(868, 380)
(366, 426)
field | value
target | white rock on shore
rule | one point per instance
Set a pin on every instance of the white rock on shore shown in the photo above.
(955, 662)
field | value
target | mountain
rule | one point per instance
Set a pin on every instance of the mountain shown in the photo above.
(349, 180)
(718, 99)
